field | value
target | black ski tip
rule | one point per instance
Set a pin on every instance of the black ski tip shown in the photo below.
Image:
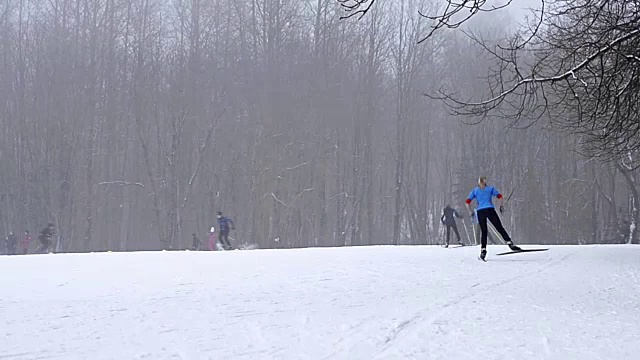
(521, 251)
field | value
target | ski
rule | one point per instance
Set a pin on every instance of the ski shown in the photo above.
(455, 246)
(521, 251)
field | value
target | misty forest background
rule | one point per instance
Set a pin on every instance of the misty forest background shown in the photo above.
(128, 123)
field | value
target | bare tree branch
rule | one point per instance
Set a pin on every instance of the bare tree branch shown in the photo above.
(120, 182)
(571, 73)
(278, 200)
(447, 17)
(583, 77)
(356, 7)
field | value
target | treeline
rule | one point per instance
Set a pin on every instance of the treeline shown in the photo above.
(129, 123)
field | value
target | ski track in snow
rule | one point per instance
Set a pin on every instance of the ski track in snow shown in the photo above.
(571, 302)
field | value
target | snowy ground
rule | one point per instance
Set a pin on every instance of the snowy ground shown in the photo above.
(350, 303)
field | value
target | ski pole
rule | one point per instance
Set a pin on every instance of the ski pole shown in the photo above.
(495, 232)
(475, 236)
(466, 230)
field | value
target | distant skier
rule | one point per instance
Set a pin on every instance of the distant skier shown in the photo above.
(224, 226)
(212, 239)
(484, 194)
(196, 243)
(45, 238)
(12, 243)
(448, 218)
(26, 242)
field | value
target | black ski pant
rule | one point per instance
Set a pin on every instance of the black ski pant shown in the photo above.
(224, 240)
(455, 229)
(476, 229)
(44, 247)
(491, 215)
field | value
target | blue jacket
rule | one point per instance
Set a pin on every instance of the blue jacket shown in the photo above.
(225, 224)
(484, 197)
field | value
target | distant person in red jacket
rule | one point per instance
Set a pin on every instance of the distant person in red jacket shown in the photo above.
(26, 242)
(212, 239)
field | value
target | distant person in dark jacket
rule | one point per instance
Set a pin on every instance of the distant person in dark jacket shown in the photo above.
(45, 237)
(196, 242)
(448, 219)
(12, 243)
(225, 225)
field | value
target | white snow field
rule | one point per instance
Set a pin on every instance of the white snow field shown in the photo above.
(406, 302)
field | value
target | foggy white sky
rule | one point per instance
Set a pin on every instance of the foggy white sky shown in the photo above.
(520, 8)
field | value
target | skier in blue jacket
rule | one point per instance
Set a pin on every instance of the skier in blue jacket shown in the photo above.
(483, 194)
(225, 225)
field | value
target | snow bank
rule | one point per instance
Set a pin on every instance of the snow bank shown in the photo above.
(573, 302)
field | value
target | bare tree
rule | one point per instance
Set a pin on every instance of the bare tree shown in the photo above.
(128, 123)
(576, 69)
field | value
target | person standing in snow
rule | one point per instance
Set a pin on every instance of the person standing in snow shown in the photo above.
(224, 226)
(212, 239)
(448, 218)
(45, 238)
(483, 194)
(12, 243)
(196, 243)
(26, 242)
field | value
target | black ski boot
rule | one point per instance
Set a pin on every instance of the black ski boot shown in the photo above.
(513, 247)
(460, 243)
(483, 254)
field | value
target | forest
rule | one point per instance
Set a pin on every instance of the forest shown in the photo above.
(130, 123)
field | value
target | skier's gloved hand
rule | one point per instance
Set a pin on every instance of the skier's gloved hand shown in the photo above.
(501, 209)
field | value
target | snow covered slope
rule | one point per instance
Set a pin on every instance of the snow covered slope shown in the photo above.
(350, 303)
